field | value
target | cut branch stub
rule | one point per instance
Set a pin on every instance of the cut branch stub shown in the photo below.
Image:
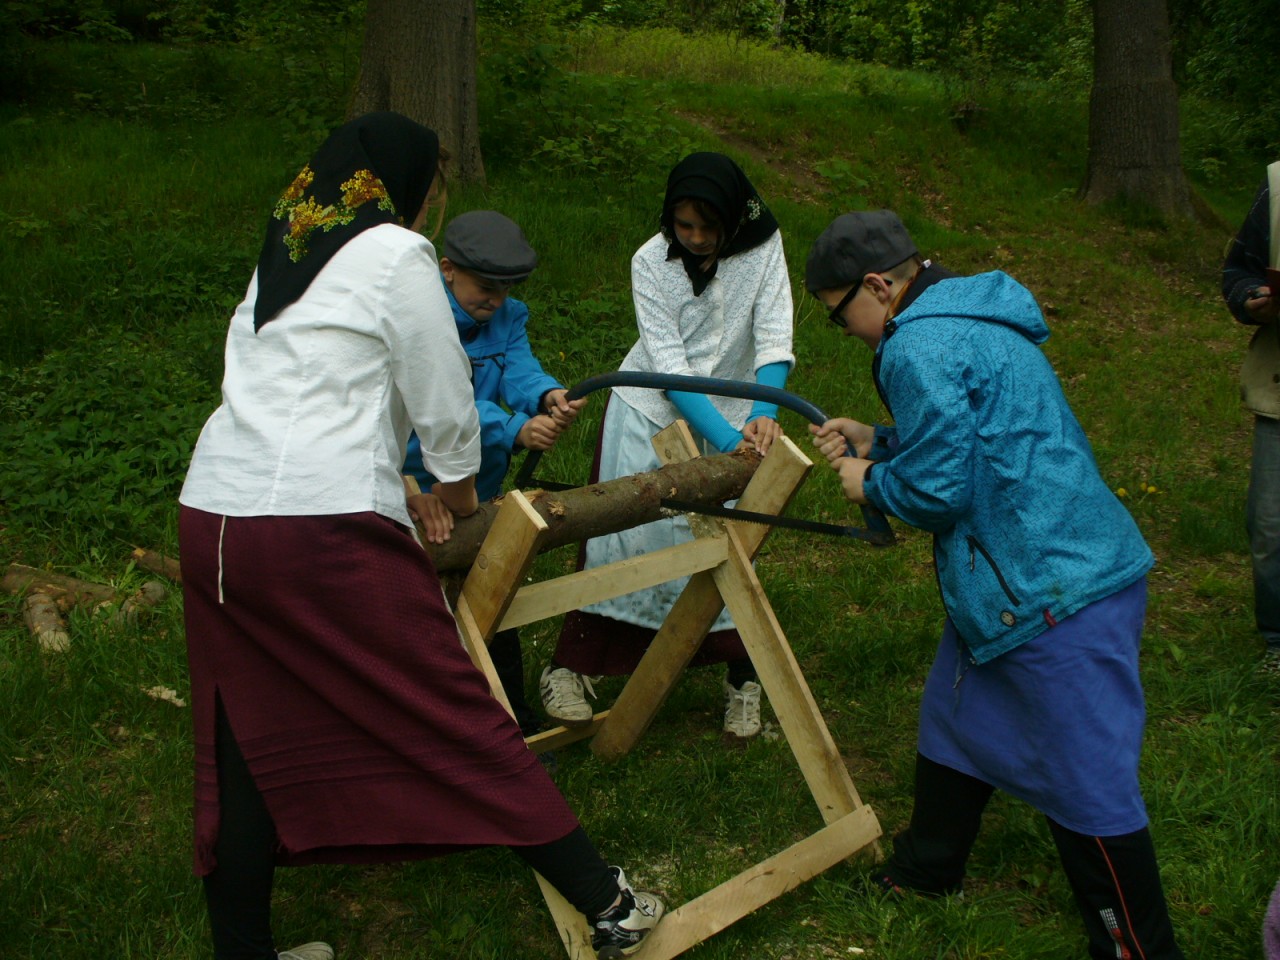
(601, 508)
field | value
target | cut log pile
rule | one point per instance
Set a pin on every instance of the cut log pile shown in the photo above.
(48, 596)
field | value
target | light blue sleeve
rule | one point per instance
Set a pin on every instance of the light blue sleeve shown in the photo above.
(770, 375)
(706, 420)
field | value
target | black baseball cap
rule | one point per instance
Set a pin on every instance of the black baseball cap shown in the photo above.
(489, 245)
(854, 245)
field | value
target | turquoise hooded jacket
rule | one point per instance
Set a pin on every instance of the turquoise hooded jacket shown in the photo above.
(986, 455)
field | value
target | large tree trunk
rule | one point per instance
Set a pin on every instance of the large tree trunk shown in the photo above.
(419, 59)
(601, 508)
(1133, 109)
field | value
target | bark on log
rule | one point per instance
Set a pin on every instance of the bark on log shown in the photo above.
(66, 591)
(574, 515)
(150, 560)
(45, 622)
(150, 594)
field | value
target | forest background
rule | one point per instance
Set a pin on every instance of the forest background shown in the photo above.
(146, 141)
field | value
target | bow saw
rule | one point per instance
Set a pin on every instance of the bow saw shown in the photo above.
(877, 530)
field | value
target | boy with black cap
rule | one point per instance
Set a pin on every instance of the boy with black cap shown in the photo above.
(1034, 689)
(486, 254)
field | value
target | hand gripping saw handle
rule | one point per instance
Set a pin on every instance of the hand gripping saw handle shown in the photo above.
(877, 530)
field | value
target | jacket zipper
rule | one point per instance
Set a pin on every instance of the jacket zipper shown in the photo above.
(975, 547)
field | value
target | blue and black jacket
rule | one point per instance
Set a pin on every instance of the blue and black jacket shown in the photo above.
(986, 454)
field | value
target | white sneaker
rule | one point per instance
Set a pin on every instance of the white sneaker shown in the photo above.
(564, 696)
(620, 930)
(315, 950)
(742, 709)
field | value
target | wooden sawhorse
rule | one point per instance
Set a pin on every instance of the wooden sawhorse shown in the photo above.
(718, 562)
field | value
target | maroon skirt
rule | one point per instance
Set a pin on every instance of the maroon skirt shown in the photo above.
(367, 729)
(596, 645)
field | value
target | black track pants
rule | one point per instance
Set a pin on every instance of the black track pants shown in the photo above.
(930, 855)
(1115, 880)
(1117, 889)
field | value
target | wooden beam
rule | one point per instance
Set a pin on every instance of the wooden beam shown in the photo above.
(504, 559)
(572, 926)
(541, 601)
(724, 905)
(784, 684)
(770, 490)
(558, 737)
(477, 647)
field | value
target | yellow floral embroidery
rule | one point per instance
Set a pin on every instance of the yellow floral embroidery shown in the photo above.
(294, 192)
(305, 215)
(364, 186)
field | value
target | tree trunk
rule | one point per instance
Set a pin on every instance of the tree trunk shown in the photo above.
(584, 512)
(419, 59)
(1133, 110)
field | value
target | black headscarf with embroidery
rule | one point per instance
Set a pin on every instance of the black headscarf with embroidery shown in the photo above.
(720, 183)
(372, 170)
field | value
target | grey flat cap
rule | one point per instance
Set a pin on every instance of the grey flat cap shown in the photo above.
(489, 245)
(854, 245)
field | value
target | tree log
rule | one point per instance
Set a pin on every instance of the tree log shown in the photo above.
(66, 591)
(150, 594)
(45, 622)
(154, 562)
(592, 511)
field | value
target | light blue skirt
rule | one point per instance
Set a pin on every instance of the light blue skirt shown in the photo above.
(626, 448)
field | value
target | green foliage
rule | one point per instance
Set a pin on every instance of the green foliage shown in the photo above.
(1223, 50)
(104, 449)
(564, 121)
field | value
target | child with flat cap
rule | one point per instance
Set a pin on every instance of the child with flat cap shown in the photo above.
(520, 405)
(1034, 689)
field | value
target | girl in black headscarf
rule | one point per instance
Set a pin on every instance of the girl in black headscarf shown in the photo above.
(337, 717)
(712, 299)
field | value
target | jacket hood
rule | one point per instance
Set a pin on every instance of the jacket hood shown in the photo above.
(468, 326)
(993, 297)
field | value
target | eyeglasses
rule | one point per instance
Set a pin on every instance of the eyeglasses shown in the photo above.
(836, 314)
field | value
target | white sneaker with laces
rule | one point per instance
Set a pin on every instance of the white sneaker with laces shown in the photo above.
(564, 696)
(742, 709)
(620, 930)
(315, 950)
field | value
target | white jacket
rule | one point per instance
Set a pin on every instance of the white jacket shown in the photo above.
(742, 322)
(317, 407)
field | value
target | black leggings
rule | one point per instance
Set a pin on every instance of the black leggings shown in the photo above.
(238, 891)
(1115, 879)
